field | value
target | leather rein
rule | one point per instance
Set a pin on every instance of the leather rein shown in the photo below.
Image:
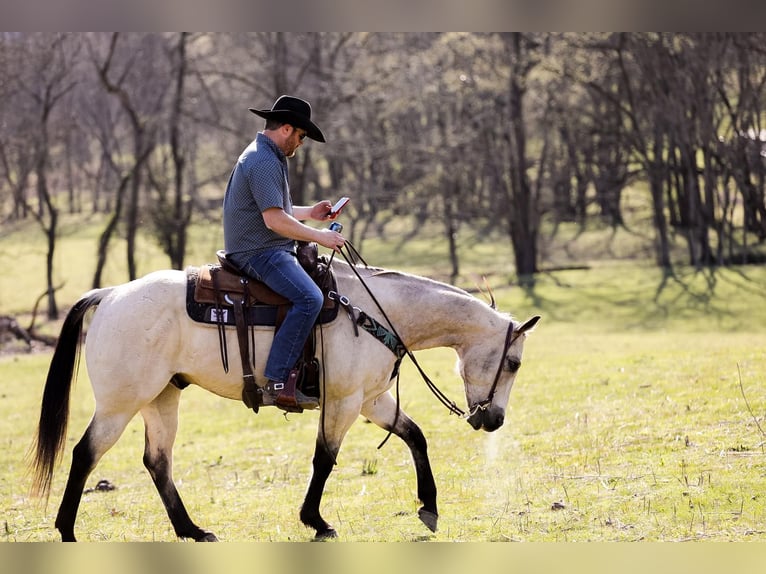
(352, 258)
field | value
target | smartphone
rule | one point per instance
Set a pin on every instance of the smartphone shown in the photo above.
(336, 209)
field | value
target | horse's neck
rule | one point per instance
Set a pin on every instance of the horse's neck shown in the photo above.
(429, 314)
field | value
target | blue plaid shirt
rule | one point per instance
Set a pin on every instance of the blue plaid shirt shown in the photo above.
(258, 182)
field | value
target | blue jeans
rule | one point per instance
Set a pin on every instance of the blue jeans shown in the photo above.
(280, 270)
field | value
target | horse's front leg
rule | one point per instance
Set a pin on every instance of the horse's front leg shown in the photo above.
(323, 462)
(382, 411)
(335, 420)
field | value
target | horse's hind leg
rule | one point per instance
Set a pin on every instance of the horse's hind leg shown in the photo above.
(99, 437)
(383, 412)
(82, 465)
(161, 421)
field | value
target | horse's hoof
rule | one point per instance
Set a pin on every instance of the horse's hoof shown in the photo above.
(428, 518)
(208, 537)
(328, 534)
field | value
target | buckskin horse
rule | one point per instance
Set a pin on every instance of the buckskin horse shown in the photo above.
(142, 348)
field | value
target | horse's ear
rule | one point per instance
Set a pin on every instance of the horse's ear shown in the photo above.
(529, 325)
(492, 302)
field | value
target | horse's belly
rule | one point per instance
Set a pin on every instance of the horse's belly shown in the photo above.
(201, 358)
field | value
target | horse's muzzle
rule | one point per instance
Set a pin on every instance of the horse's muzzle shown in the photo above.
(489, 419)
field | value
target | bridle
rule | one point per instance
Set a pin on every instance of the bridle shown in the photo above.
(484, 405)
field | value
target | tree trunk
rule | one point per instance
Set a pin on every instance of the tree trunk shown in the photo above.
(656, 179)
(181, 210)
(522, 216)
(106, 235)
(451, 225)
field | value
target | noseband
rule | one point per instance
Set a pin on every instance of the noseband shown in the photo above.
(484, 405)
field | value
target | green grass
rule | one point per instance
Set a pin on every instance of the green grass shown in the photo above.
(637, 415)
(637, 438)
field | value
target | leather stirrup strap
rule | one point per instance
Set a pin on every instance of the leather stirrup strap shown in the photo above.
(251, 392)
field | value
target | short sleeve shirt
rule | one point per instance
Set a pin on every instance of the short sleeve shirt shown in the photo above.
(259, 181)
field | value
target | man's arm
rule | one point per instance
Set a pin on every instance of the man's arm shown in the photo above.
(318, 212)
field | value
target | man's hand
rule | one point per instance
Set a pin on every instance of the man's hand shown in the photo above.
(321, 211)
(330, 239)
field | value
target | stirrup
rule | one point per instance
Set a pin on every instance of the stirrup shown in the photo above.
(289, 398)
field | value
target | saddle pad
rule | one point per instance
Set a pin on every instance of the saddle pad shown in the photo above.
(263, 314)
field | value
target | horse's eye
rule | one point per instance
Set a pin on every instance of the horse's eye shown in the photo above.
(512, 365)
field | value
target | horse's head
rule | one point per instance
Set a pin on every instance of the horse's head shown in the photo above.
(489, 372)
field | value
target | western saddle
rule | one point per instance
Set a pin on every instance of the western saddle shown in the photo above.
(227, 290)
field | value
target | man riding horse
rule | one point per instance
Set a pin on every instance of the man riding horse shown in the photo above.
(260, 229)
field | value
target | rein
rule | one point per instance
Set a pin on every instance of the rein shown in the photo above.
(451, 406)
(352, 258)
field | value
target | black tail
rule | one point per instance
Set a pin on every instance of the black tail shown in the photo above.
(54, 413)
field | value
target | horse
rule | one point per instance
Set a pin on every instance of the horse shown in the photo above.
(142, 348)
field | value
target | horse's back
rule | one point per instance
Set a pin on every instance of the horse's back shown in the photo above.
(143, 301)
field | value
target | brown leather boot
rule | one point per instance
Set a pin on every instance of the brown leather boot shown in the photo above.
(289, 398)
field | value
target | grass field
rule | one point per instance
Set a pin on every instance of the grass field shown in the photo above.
(639, 414)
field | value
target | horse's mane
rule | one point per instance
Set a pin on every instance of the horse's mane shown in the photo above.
(369, 272)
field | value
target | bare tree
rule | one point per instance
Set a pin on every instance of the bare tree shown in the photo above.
(522, 195)
(44, 79)
(172, 209)
(500, 131)
(133, 78)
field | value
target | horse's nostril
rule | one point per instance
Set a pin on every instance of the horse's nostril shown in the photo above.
(476, 421)
(493, 421)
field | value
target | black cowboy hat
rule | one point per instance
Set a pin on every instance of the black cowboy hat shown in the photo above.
(295, 112)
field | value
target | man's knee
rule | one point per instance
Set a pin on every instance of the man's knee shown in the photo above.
(316, 299)
(310, 303)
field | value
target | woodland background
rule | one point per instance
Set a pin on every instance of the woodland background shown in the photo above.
(509, 133)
